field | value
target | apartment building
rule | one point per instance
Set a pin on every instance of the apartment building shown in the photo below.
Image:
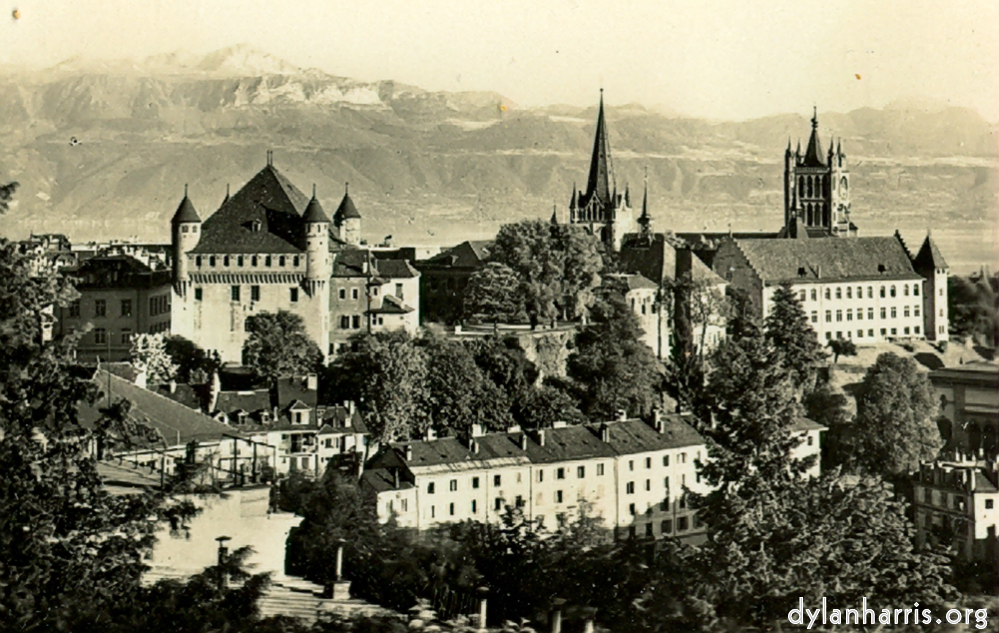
(630, 474)
(969, 407)
(956, 504)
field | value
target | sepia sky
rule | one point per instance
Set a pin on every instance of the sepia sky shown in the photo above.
(730, 59)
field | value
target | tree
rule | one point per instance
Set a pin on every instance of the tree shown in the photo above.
(385, 374)
(614, 369)
(6, 195)
(788, 330)
(70, 553)
(842, 347)
(543, 406)
(149, 352)
(492, 294)
(194, 365)
(277, 346)
(895, 425)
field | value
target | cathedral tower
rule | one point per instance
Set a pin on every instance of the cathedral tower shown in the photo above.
(817, 189)
(601, 209)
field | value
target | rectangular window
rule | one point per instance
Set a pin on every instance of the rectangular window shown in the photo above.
(126, 307)
(74, 308)
(915, 310)
(828, 316)
(915, 290)
(497, 479)
(870, 292)
(916, 329)
(884, 313)
(648, 485)
(353, 293)
(580, 472)
(870, 333)
(631, 511)
(600, 470)
(631, 464)
(254, 293)
(629, 488)
(839, 293)
(519, 502)
(666, 527)
(683, 458)
(815, 316)
(100, 308)
(344, 322)
(197, 294)
(474, 508)
(558, 496)
(894, 312)
(813, 294)
(894, 331)
(430, 488)
(560, 473)
(860, 334)
(100, 336)
(374, 291)
(453, 485)
(293, 295)
(541, 475)
(498, 504)
(126, 336)
(989, 504)
(839, 315)
(860, 292)
(648, 462)
(234, 293)
(849, 293)
(294, 261)
(281, 261)
(451, 508)
(849, 314)
(475, 482)
(665, 460)
(343, 293)
(433, 511)
(801, 296)
(355, 322)
(828, 294)
(398, 291)
(648, 530)
(253, 261)
(666, 485)
(870, 314)
(860, 314)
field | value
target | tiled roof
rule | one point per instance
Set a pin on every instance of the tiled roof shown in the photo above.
(191, 396)
(248, 401)
(565, 444)
(828, 259)
(656, 260)
(185, 212)
(396, 269)
(983, 483)
(346, 210)
(334, 419)
(314, 212)
(636, 281)
(262, 217)
(174, 422)
(805, 424)
(350, 263)
(929, 256)
(813, 153)
(381, 480)
(468, 254)
(391, 305)
(629, 437)
(290, 389)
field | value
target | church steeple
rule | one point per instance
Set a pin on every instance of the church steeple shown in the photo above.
(601, 178)
(813, 153)
(644, 220)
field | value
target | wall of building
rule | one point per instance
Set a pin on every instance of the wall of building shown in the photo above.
(116, 328)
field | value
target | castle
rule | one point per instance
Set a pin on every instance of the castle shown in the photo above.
(267, 248)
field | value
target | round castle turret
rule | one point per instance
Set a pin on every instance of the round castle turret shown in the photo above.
(347, 220)
(317, 252)
(185, 233)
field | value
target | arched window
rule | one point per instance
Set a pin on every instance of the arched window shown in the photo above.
(808, 191)
(801, 185)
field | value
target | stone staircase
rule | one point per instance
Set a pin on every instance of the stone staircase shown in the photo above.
(288, 596)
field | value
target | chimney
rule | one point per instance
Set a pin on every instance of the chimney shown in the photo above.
(172, 385)
(657, 420)
(622, 415)
(560, 424)
(407, 451)
(541, 437)
(311, 382)
(431, 434)
(604, 433)
(395, 478)
(523, 441)
(478, 430)
(513, 429)
(473, 445)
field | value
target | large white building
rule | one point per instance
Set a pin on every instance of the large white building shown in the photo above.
(630, 474)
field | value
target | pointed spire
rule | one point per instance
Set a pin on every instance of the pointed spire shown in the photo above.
(185, 211)
(600, 180)
(644, 220)
(346, 210)
(813, 154)
(314, 211)
(554, 219)
(572, 201)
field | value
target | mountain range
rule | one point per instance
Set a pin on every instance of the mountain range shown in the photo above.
(104, 151)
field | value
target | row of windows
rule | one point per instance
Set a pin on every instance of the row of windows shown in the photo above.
(885, 312)
(665, 527)
(663, 505)
(240, 261)
(101, 336)
(101, 308)
(839, 291)
(159, 305)
(629, 488)
(906, 331)
(235, 293)
(498, 503)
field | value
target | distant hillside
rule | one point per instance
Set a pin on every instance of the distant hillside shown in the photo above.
(106, 151)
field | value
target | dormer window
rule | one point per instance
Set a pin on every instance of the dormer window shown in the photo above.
(256, 225)
(801, 271)
(881, 268)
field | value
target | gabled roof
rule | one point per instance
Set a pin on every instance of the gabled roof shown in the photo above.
(630, 437)
(929, 256)
(391, 304)
(829, 259)
(656, 261)
(294, 388)
(632, 281)
(805, 424)
(249, 401)
(176, 424)
(351, 263)
(264, 216)
(468, 254)
(335, 421)
(382, 480)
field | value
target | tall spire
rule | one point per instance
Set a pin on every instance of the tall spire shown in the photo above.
(600, 181)
(813, 153)
(644, 220)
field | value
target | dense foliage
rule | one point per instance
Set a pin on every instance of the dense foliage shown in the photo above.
(277, 345)
(149, 352)
(974, 307)
(493, 295)
(787, 328)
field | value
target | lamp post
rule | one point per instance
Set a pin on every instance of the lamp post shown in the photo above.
(223, 555)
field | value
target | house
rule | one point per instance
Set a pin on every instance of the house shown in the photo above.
(956, 504)
(969, 408)
(119, 297)
(443, 279)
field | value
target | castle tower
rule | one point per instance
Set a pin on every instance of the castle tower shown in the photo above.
(317, 251)
(817, 189)
(185, 233)
(347, 220)
(600, 209)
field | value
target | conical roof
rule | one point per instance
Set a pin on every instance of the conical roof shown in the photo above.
(929, 256)
(346, 210)
(813, 153)
(185, 211)
(314, 213)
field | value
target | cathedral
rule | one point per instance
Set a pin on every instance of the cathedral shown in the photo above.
(816, 190)
(600, 208)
